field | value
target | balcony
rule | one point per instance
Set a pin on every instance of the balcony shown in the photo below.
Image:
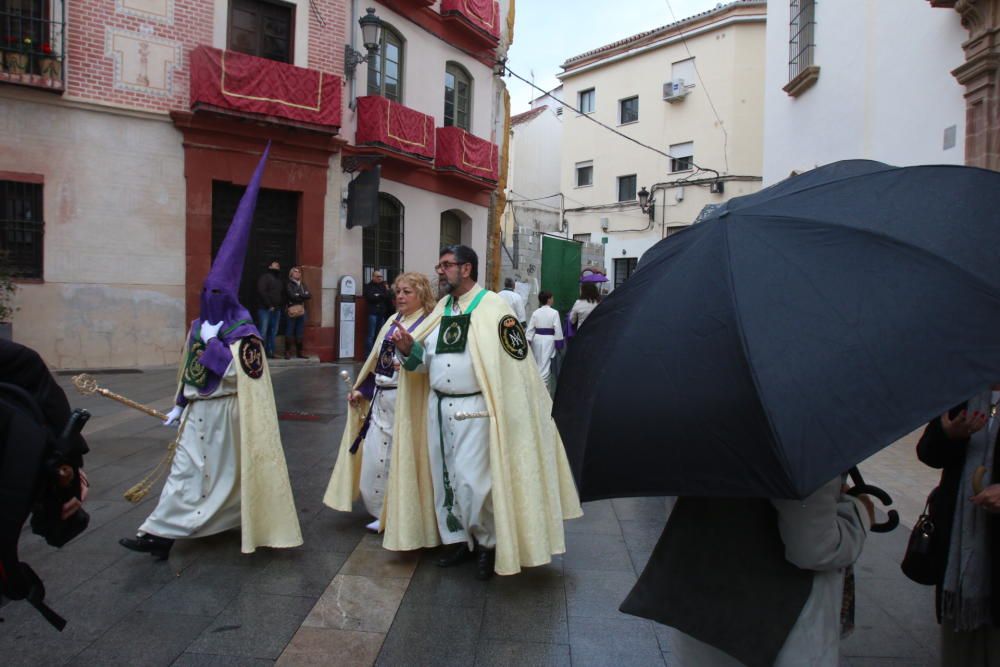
(33, 45)
(394, 128)
(237, 84)
(480, 19)
(466, 156)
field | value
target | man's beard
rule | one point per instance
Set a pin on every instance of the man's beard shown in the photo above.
(444, 287)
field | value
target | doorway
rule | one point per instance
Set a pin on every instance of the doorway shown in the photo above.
(273, 234)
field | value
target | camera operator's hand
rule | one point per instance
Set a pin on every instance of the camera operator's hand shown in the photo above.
(209, 331)
(70, 507)
(174, 416)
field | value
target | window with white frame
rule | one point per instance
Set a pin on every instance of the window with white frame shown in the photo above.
(385, 68)
(584, 173)
(457, 96)
(682, 156)
(628, 110)
(626, 188)
(586, 100)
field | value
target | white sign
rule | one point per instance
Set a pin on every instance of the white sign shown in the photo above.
(348, 287)
(347, 330)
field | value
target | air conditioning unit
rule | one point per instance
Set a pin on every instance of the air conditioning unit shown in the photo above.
(674, 91)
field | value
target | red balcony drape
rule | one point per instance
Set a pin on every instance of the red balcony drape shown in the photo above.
(458, 149)
(394, 125)
(239, 82)
(484, 14)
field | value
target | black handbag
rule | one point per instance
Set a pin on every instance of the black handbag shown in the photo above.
(921, 560)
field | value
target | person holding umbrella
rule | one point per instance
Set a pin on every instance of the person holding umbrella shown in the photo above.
(799, 345)
(966, 516)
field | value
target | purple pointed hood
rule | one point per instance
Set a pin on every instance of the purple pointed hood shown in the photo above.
(220, 293)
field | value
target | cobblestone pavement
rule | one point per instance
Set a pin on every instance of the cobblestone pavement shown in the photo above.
(342, 600)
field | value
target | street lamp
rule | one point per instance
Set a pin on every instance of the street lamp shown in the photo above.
(645, 203)
(371, 29)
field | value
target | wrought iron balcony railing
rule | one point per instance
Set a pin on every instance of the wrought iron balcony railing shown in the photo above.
(33, 42)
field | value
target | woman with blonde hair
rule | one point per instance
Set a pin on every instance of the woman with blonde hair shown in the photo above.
(364, 468)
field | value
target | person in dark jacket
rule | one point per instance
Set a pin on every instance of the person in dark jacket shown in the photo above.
(965, 510)
(297, 294)
(271, 298)
(380, 304)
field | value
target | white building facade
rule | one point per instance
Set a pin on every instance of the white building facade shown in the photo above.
(693, 91)
(844, 81)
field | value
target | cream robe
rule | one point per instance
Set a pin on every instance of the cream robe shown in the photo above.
(532, 487)
(345, 482)
(466, 444)
(230, 455)
(824, 533)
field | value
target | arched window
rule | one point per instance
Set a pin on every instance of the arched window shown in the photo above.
(385, 69)
(451, 229)
(457, 96)
(382, 245)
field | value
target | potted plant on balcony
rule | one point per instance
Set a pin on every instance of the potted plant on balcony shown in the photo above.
(50, 65)
(15, 55)
(7, 290)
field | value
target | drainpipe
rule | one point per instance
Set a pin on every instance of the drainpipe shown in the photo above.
(352, 103)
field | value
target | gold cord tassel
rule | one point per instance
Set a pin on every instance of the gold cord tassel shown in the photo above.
(141, 490)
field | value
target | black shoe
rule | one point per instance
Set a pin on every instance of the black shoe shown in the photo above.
(159, 547)
(459, 554)
(484, 563)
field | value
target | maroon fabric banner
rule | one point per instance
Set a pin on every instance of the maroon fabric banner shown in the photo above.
(484, 14)
(392, 124)
(231, 80)
(457, 149)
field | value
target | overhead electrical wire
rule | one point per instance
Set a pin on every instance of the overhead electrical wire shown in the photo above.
(607, 127)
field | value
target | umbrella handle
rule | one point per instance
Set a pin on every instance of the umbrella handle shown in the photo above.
(861, 487)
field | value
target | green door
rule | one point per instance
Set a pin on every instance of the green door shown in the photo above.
(561, 271)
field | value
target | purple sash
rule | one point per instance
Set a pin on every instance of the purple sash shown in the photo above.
(545, 332)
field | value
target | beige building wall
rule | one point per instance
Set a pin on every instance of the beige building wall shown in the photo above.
(113, 290)
(728, 48)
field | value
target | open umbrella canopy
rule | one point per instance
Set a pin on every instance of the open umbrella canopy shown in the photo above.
(790, 335)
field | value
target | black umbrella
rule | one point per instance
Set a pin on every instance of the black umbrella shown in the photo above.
(788, 336)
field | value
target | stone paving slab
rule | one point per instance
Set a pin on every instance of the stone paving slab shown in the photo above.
(341, 599)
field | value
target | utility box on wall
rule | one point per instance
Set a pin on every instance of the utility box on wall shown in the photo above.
(346, 316)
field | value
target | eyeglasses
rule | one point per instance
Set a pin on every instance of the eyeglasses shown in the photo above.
(444, 266)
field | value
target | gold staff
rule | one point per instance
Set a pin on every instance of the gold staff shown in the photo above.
(87, 385)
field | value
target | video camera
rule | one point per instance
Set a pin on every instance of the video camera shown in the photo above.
(40, 471)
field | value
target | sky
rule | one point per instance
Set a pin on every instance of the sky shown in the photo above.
(547, 32)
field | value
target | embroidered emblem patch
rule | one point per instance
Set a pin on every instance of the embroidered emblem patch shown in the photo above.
(252, 357)
(512, 337)
(195, 374)
(452, 334)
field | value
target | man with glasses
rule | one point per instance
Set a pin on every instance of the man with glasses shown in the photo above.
(480, 463)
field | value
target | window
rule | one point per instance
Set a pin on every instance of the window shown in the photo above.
(585, 101)
(385, 69)
(457, 96)
(628, 110)
(624, 268)
(382, 245)
(451, 229)
(584, 173)
(582, 238)
(626, 188)
(262, 29)
(682, 156)
(21, 228)
(800, 42)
